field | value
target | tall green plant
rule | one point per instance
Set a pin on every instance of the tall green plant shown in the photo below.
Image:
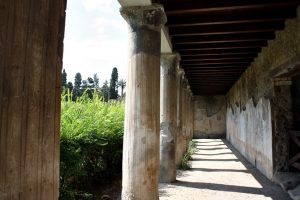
(91, 143)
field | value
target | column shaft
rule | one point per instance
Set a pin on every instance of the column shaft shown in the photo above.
(179, 138)
(168, 112)
(141, 137)
(31, 44)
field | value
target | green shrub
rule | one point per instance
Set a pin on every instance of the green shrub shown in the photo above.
(192, 148)
(91, 144)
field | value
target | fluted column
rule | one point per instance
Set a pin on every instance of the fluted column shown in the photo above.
(168, 114)
(31, 50)
(184, 114)
(179, 79)
(142, 123)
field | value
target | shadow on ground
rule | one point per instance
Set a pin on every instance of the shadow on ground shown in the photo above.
(220, 173)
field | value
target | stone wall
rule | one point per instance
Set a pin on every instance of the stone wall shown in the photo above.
(258, 112)
(209, 116)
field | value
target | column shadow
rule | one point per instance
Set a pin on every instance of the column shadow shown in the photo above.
(268, 189)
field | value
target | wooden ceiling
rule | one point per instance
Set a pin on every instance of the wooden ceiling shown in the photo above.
(218, 39)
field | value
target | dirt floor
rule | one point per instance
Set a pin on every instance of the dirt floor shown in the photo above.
(219, 172)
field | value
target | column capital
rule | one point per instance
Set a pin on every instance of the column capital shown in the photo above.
(185, 83)
(170, 60)
(152, 16)
(180, 72)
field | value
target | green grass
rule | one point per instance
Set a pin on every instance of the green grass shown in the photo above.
(192, 148)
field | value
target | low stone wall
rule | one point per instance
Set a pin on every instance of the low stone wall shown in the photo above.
(209, 116)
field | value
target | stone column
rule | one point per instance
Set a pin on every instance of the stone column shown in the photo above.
(141, 136)
(168, 114)
(31, 48)
(191, 114)
(184, 114)
(179, 78)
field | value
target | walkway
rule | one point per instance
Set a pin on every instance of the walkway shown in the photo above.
(220, 173)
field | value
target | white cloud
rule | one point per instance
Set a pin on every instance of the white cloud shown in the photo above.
(99, 5)
(97, 42)
(104, 24)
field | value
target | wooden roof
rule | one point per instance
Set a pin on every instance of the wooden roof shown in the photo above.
(218, 39)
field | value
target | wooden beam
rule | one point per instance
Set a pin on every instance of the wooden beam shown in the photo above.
(237, 59)
(203, 39)
(224, 45)
(195, 59)
(173, 8)
(219, 51)
(211, 76)
(245, 63)
(225, 17)
(215, 71)
(211, 81)
(213, 66)
(224, 56)
(227, 29)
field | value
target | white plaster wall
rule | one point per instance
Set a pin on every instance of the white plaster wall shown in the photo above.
(250, 131)
(209, 116)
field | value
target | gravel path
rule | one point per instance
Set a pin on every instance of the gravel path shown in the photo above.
(219, 172)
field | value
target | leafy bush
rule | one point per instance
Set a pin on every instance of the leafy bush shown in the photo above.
(192, 148)
(91, 144)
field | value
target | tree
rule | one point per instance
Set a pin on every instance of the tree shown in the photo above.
(77, 86)
(89, 86)
(91, 83)
(63, 80)
(70, 86)
(96, 81)
(105, 91)
(113, 87)
(122, 85)
(84, 85)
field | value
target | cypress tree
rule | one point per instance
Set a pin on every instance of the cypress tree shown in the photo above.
(105, 91)
(77, 84)
(63, 80)
(113, 87)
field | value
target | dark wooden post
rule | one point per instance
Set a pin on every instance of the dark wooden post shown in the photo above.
(31, 46)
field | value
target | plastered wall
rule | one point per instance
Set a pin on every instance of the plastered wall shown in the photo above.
(209, 116)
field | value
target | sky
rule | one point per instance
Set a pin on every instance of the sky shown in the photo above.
(96, 39)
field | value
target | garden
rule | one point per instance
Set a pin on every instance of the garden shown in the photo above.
(91, 145)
